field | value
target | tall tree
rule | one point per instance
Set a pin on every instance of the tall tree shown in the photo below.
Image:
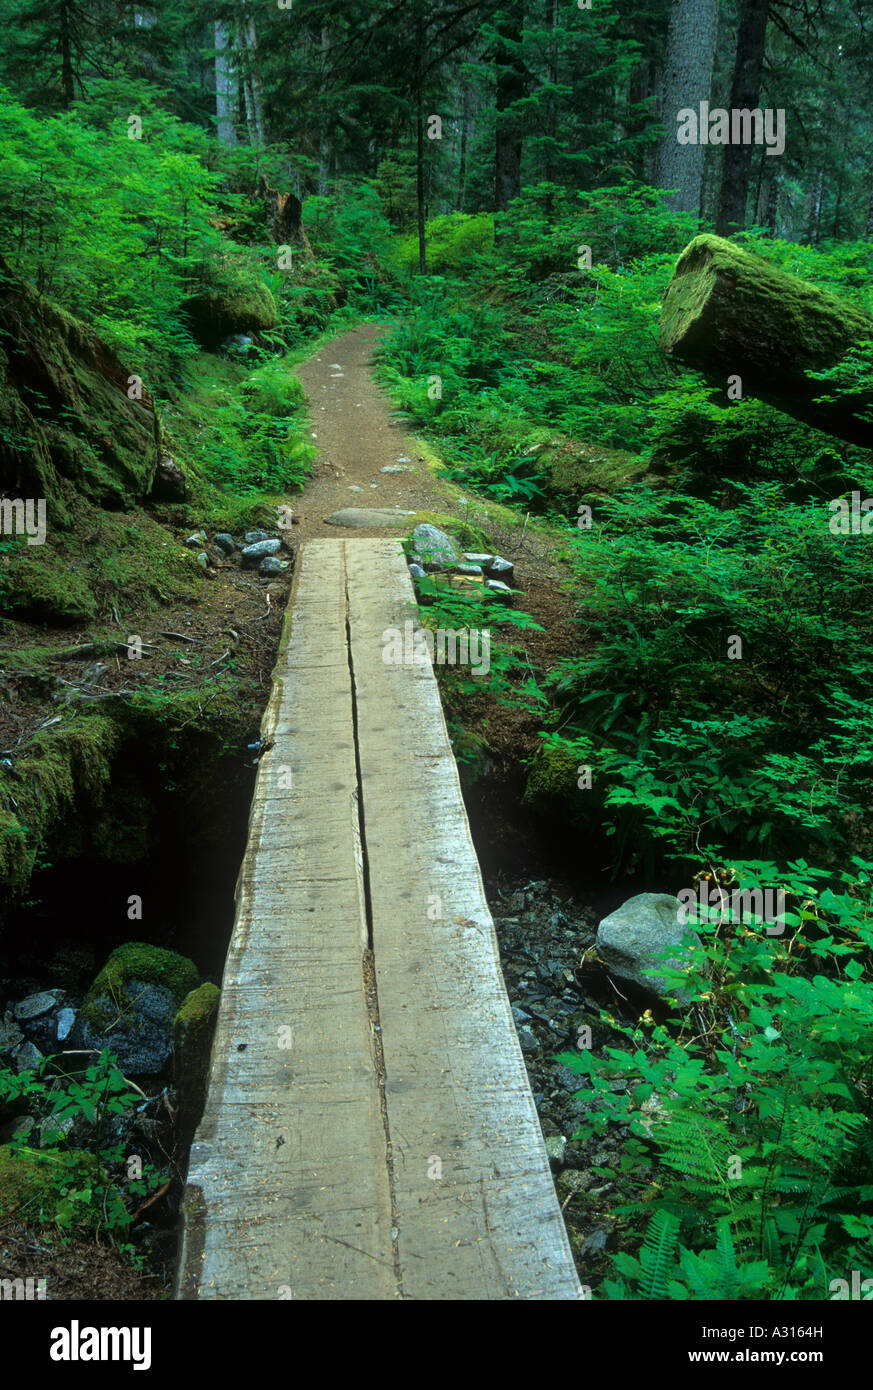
(691, 41)
(510, 82)
(745, 93)
(225, 86)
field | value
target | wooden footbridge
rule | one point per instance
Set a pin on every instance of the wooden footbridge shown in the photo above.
(369, 1130)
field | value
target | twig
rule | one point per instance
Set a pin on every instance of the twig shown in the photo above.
(180, 636)
(220, 658)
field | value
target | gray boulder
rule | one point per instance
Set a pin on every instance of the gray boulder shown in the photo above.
(143, 1040)
(253, 554)
(367, 518)
(630, 939)
(252, 537)
(225, 543)
(36, 1005)
(433, 549)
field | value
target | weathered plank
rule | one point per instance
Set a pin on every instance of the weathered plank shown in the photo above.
(393, 1150)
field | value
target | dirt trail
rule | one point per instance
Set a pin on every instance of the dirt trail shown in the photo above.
(355, 437)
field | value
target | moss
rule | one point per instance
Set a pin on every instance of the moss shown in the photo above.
(31, 1182)
(193, 1029)
(64, 409)
(136, 960)
(552, 783)
(42, 585)
(244, 308)
(789, 314)
(576, 470)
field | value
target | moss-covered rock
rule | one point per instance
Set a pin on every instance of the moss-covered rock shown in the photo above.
(193, 1029)
(61, 769)
(131, 1005)
(217, 312)
(575, 471)
(64, 409)
(552, 783)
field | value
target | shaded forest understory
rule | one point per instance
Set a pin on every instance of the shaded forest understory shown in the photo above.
(674, 447)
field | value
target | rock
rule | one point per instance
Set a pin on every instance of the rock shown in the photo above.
(219, 313)
(555, 1146)
(22, 1124)
(237, 342)
(66, 1019)
(10, 1033)
(433, 549)
(170, 483)
(225, 543)
(365, 518)
(270, 567)
(499, 590)
(53, 1131)
(203, 559)
(27, 1057)
(396, 468)
(501, 569)
(198, 539)
(575, 1180)
(35, 1005)
(131, 1006)
(474, 570)
(527, 1040)
(629, 939)
(252, 537)
(193, 1028)
(416, 571)
(520, 1015)
(252, 555)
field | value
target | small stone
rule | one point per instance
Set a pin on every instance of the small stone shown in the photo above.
(253, 554)
(520, 1015)
(527, 1040)
(252, 537)
(66, 1019)
(396, 468)
(555, 1146)
(500, 590)
(475, 570)
(199, 538)
(203, 560)
(35, 1005)
(270, 567)
(365, 518)
(501, 569)
(416, 571)
(27, 1057)
(10, 1033)
(225, 542)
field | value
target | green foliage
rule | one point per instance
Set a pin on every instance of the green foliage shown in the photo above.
(77, 1187)
(453, 243)
(755, 1112)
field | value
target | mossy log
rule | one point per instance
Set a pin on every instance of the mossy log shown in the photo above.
(729, 313)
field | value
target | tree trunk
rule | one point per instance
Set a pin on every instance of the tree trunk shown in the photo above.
(736, 170)
(510, 89)
(691, 43)
(729, 312)
(462, 161)
(225, 87)
(323, 130)
(420, 33)
(65, 40)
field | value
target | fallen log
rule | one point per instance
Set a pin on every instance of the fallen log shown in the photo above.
(728, 312)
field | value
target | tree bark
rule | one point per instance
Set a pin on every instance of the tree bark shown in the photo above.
(510, 89)
(687, 77)
(225, 87)
(736, 170)
(728, 312)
